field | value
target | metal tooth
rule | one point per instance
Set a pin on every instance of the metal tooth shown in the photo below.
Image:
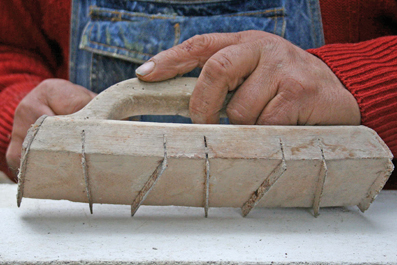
(207, 179)
(320, 183)
(150, 182)
(85, 171)
(266, 184)
(22, 170)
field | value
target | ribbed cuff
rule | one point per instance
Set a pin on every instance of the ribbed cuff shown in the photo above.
(369, 71)
(9, 100)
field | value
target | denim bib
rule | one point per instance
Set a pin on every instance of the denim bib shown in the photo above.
(111, 38)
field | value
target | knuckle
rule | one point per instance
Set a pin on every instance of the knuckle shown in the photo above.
(271, 42)
(223, 61)
(220, 64)
(47, 89)
(277, 53)
(197, 43)
(46, 84)
(174, 52)
(239, 36)
(21, 107)
(293, 89)
(43, 84)
(24, 107)
(194, 48)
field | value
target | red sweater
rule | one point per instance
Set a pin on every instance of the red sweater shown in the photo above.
(34, 44)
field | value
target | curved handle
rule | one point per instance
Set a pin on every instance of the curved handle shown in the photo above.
(134, 97)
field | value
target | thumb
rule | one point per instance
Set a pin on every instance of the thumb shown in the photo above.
(64, 97)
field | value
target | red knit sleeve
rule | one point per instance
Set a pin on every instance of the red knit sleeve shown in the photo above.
(26, 59)
(369, 71)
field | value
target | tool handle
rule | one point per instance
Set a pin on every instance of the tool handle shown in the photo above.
(135, 97)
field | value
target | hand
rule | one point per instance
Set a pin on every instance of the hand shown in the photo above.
(276, 82)
(50, 97)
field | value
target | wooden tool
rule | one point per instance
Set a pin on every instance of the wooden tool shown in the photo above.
(91, 156)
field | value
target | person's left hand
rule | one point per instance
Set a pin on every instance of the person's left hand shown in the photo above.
(276, 82)
(50, 97)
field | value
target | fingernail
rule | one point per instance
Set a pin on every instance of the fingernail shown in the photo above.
(145, 68)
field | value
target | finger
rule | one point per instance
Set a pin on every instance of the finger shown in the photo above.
(13, 157)
(23, 119)
(223, 72)
(64, 97)
(251, 97)
(188, 55)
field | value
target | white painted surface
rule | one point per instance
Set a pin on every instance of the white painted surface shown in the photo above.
(4, 178)
(57, 231)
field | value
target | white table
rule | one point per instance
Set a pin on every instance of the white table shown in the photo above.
(56, 232)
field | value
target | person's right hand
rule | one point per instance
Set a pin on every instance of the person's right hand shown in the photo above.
(275, 81)
(51, 97)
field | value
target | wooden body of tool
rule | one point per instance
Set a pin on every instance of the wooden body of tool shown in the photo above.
(92, 156)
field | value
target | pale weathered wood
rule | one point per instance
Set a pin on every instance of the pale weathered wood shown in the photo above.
(205, 165)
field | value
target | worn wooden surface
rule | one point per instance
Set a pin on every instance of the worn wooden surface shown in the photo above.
(89, 157)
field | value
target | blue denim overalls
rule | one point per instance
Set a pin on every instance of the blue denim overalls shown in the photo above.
(111, 38)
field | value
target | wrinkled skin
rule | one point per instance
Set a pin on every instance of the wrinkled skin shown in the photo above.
(275, 82)
(51, 97)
